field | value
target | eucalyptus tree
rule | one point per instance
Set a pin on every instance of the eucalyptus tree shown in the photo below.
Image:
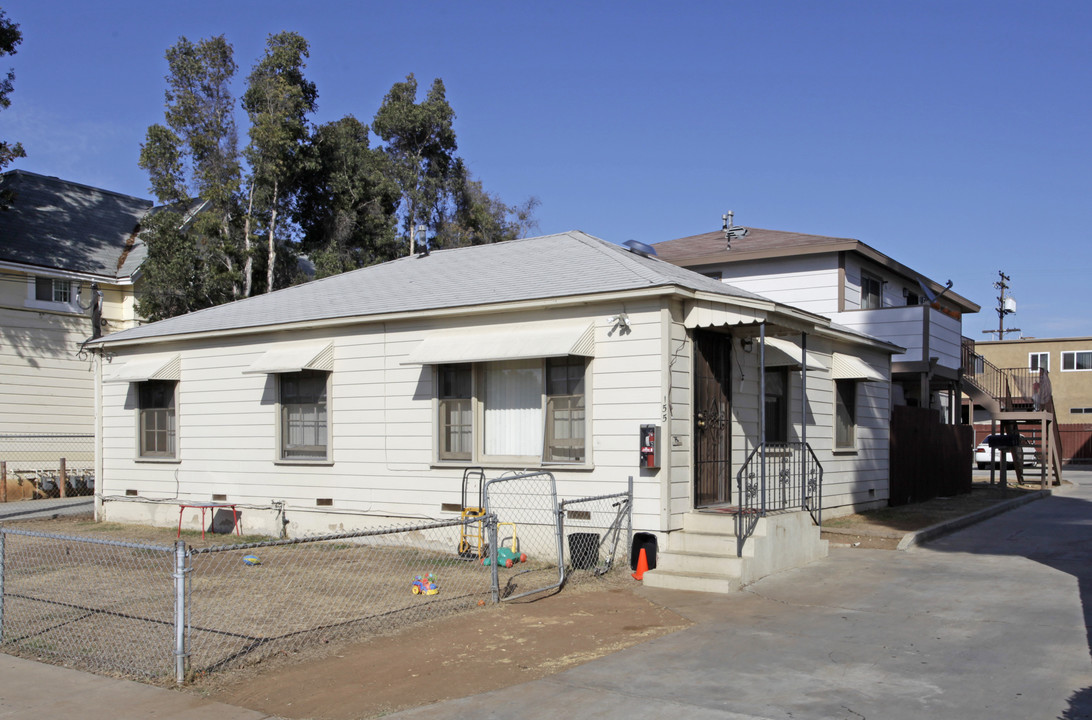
(420, 142)
(194, 156)
(347, 199)
(277, 100)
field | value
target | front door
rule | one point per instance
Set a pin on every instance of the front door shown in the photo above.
(712, 429)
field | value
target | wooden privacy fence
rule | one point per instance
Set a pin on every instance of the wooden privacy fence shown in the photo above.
(928, 459)
(1076, 442)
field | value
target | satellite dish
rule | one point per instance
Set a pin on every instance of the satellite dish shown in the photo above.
(640, 248)
(928, 294)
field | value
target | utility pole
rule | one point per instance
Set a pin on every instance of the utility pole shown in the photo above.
(1005, 306)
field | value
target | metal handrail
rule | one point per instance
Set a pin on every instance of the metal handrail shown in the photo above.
(778, 476)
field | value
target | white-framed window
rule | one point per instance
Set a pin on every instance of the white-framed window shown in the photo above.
(51, 293)
(512, 411)
(871, 291)
(303, 421)
(1039, 361)
(157, 425)
(1076, 360)
(1081, 410)
(455, 397)
(845, 414)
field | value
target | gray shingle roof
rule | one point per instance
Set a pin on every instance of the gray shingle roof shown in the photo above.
(551, 266)
(63, 225)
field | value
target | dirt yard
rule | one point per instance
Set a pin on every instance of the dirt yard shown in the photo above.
(485, 648)
(454, 657)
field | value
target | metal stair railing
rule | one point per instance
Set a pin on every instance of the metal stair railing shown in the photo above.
(777, 476)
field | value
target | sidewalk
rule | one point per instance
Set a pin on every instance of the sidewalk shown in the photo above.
(33, 690)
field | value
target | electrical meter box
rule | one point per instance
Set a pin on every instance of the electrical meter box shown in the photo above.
(650, 446)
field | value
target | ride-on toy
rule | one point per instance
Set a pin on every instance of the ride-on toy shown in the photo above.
(508, 556)
(425, 585)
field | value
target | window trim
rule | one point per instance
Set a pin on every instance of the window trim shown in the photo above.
(478, 455)
(69, 306)
(282, 428)
(840, 403)
(1040, 356)
(1073, 354)
(174, 455)
(865, 274)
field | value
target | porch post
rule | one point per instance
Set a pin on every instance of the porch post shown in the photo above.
(803, 414)
(762, 408)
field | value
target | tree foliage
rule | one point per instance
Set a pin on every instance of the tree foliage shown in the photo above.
(196, 156)
(321, 190)
(10, 38)
(347, 201)
(278, 100)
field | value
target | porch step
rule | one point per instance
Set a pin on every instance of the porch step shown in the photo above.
(703, 556)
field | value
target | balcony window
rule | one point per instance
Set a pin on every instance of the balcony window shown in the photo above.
(871, 291)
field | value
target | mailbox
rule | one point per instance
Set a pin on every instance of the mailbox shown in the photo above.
(650, 446)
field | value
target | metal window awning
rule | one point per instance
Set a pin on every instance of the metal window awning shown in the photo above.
(142, 369)
(781, 352)
(506, 342)
(849, 367)
(294, 357)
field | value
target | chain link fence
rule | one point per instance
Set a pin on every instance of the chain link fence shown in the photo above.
(99, 604)
(598, 534)
(33, 465)
(170, 612)
(162, 612)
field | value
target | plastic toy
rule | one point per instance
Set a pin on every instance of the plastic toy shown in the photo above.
(251, 560)
(508, 556)
(425, 585)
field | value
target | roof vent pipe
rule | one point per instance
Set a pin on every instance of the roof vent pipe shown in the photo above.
(730, 231)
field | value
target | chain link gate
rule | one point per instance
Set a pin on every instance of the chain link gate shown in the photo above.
(527, 552)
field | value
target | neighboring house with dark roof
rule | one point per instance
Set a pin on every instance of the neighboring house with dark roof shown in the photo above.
(60, 243)
(363, 398)
(854, 285)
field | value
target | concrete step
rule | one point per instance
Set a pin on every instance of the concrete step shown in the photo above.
(700, 563)
(695, 582)
(717, 523)
(705, 543)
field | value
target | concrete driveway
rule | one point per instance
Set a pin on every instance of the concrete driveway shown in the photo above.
(990, 622)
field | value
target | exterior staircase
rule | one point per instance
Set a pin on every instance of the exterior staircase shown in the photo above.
(1021, 400)
(705, 556)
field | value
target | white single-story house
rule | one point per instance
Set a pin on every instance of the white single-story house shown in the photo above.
(364, 396)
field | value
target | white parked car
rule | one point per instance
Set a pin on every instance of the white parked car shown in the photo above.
(984, 455)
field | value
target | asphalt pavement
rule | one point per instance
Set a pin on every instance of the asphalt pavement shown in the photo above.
(987, 622)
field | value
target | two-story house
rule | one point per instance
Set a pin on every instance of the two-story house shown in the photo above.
(69, 260)
(857, 287)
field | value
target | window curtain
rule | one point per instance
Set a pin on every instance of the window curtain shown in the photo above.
(513, 408)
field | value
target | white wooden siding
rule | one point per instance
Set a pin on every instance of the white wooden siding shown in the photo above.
(381, 425)
(809, 282)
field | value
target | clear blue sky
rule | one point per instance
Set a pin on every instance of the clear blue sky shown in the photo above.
(953, 136)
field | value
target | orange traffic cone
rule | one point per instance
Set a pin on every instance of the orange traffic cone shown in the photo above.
(642, 566)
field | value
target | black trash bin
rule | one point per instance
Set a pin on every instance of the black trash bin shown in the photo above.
(583, 550)
(646, 542)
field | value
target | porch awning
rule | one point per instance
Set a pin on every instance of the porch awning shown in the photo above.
(294, 357)
(506, 342)
(703, 313)
(142, 369)
(781, 352)
(849, 367)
